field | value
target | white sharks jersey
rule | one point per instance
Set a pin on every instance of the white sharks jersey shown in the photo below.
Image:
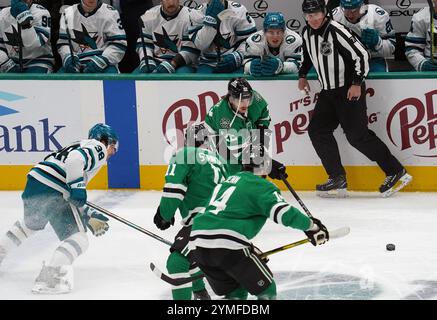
(374, 17)
(418, 40)
(233, 31)
(37, 51)
(79, 161)
(289, 51)
(165, 37)
(98, 33)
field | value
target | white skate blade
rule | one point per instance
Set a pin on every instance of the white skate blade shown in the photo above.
(337, 193)
(403, 181)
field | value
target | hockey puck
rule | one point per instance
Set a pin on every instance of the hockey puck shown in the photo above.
(390, 247)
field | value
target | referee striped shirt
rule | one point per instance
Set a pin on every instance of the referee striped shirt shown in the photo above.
(338, 57)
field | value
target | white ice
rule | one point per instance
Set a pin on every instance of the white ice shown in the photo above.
(354, 267)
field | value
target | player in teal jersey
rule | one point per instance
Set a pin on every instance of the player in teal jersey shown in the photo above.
(192, 174)
(237, 211)
(55, 193)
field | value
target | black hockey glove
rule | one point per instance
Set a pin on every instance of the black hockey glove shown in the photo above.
(160, 222)
(318, 234)
(256, 251)
(278, 171)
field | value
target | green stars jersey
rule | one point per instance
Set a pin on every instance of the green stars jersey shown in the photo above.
(190, 179)
(222, 119)
(238, 209)
(220, 116)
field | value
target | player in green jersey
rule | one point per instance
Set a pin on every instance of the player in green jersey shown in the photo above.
(237, 211)
(192, 175)
(234, 119)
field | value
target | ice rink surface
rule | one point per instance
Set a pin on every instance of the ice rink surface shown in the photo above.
(354, 267)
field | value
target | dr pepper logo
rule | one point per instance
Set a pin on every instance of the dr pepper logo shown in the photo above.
(417, 123)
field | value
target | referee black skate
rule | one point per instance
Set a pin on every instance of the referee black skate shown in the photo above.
(342, 63)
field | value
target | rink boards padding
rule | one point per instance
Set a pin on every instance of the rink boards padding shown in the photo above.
(39, 114)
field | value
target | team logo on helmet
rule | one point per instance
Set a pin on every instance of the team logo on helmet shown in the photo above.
(326, 48)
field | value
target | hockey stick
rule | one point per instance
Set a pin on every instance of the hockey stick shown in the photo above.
(70, 42)
(334, 234)
(431, 27)
(178, 281)
(295, 195)
(20, 48)
(143, 44)
(126, 222)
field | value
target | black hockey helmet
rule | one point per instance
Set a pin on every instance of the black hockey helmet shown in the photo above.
(196, 135)
(239, 86)
(312, 6)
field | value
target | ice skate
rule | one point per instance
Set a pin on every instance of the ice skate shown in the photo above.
(394, 183)
(201, 295)
(2, 253)
(54, 280)
(335, 187)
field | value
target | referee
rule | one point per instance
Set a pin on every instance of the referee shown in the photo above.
(342, 63)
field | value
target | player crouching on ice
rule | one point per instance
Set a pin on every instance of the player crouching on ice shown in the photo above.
(237, 211)
(55, 193)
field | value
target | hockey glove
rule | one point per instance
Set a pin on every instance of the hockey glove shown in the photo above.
(165, 67)
(317, 234)
(159, 221)
(20, 11)
(370, 38)
(214, 8)
(72, 64)
(9, 66)
(255, 67)
(229, 63)
(96, 222)
(144, 68)
(428, 65)
(97, 64)
(278, 171)
(271, 66)
(78, 194)
(256, 251)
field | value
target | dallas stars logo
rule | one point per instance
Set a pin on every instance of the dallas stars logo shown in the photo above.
(14, 39)
(85, 39)
(167, 42)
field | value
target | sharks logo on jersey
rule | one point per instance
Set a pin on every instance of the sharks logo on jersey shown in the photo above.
(167, 42)
(85, 39)
(13, 39)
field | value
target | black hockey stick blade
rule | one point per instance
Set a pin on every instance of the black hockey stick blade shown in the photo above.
(173, 281)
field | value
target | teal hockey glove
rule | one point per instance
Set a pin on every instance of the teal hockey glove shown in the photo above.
(20, 11)
(229, 63)
(96, 222)
(271, 66)
(165, 67)
(370, 38)
(78, 194)
(255, 67)
(97, 64)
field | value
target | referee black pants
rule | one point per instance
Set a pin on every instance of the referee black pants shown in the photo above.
(333, 108)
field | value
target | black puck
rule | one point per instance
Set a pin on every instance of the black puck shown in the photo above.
(390, 247)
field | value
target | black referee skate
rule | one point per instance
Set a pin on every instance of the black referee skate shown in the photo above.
(394, 183)
(335, 187)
